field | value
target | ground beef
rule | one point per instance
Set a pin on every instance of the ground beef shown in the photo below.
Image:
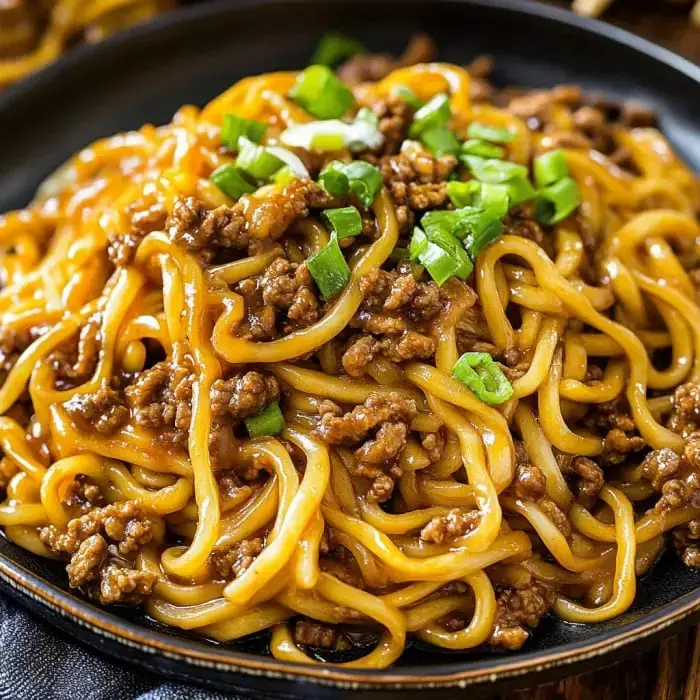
(621, 438)
(232, 562)
(103, 411)
(12, 344)
(518, 610)
(382, 425)
(101, 546)
(231, 491)
(243, 395)
(363, 349)
(586, 474)
(676, 477)
(75, 362)
(384, 291)
(83, 495)
(144, 217)
(521, 221)
(434, 445)
(686, 540)
(685, 417)
(246, 223)
(281, 300)
(319, 636)
(417, 181)
(160, 398)
(370, 67)
(449, 527)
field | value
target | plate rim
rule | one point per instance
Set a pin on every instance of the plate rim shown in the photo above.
(99, 621)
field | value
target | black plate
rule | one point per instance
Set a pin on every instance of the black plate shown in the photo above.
(190, 56)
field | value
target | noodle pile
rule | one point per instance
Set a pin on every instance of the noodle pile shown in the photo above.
(477, 519)
(34, 33)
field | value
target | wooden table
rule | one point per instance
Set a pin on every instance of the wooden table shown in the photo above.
(671, 671)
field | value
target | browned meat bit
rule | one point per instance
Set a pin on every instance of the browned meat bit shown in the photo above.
(370, 67)
(250, 220)
(434, 445)
(389, 291)
(408, 346)
(160, 398)
(417, 181)
(100, 546)
(390, 417)
(660, 465)
(395, 116)
(145, 217)
(590, 478)
(83, 495)
(232, 562)
(518, 610)
(361, 351)
(449, 527)
(243, 395)
(521, 221)
(75, 363)
(685, 417)
(103, 411)
(686, 540)
(555, 514)
(621, 438)
(231, 492)
(319, 636)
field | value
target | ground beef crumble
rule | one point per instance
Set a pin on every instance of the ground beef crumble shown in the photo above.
(320, 636)
(144, 218)
(232, 562)
(518, 610)
(621, 439)
(685, 417)
(101, 546)
(447, 528)
(75, 361)
(381, 424)
(587, 476)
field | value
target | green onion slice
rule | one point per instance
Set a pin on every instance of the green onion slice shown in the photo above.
(476, 241)
(477, 147)
(418, 244)
(335, 48)
(333, 134)
(233, 127)
(269, 421)
(477, 130)
(479, 372)
(438, 231)
(359, 177)
(329, 269)
(439, 263)
(292, 160)
(344, 222)
(321, 93)
(432, 114)
(492, 170)
(231, 181)
(555, 202)
(519, 190)
(550, 167)
(440, 140)
(256, 160)
(408, 96)
(463, 194)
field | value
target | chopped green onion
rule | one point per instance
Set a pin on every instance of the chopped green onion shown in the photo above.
(359, 177)
(478, 240)
(408, 96)
(477, 130)
(345, 222)
(493, 199)
(399, 254)
(492, 170)
(233, 127)
(418, 244)
(550, 167)
(439, 141)
(231, 181)
(321, 93)
(479, 372)
(463, 194)
(555, 202)
(519, 190)
(431, 114)
(269, 421)
(477, 147)
(294, 163)
(439, 263)
(284, 176)
(450, 243)
(256, 160)
(333, 134)
(329, 269)
(335, 48)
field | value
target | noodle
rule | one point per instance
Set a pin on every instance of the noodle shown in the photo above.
(190, 420)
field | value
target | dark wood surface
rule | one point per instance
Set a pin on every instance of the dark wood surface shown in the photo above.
(670, 671)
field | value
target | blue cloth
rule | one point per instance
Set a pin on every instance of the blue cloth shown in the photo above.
(38, 663)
